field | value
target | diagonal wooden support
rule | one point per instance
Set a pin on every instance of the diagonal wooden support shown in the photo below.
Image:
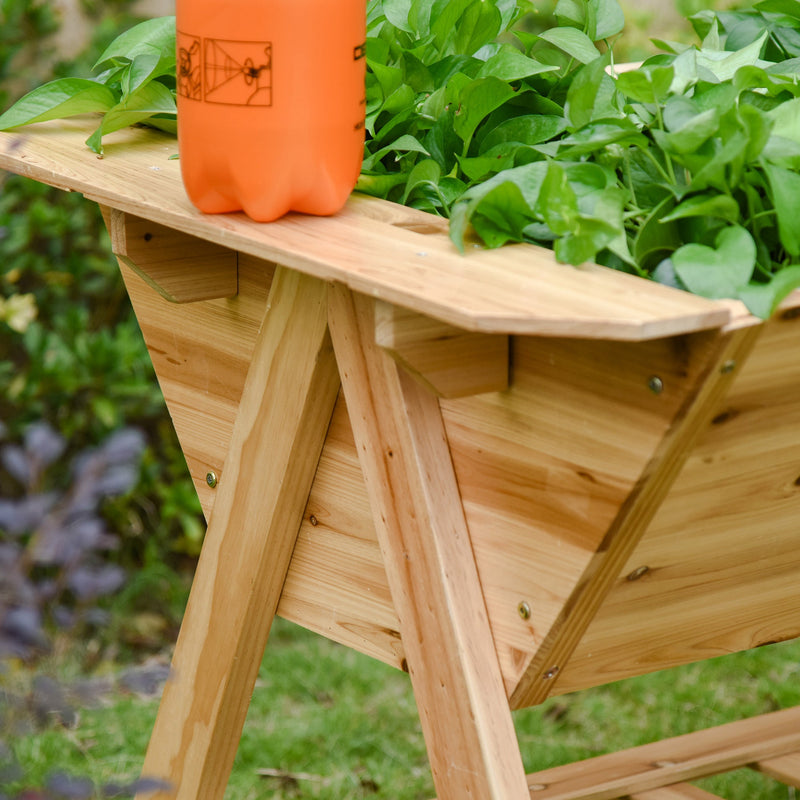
(429, 563)
(723, 352)
(283, 416)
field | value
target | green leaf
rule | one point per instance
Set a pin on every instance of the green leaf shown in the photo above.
(398, 12)
(476, 102)
(724, 65)
(610, 19)
(573, 42)
(591, 87)
(656, 239)
(721, 271)
(528, 129)
(479, 25)
(151, 36)
(425, 173)
(527, 181)
(151, 99)
(647, 84)
(508, 64)
(785, 186)
(403, 144)
(706, 205)
(58, 99)
(762, 299)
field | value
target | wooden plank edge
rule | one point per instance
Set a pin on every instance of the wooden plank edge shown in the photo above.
(785, 768)
(678, 791)
(674, 760)
(629, 316)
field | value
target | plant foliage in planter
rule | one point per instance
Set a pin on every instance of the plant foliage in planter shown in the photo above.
(685, 170)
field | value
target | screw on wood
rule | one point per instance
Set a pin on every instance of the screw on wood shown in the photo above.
(524, 609)
(211, 479)
(551, 673)
(639, 572)
(655, 384)
(727, 367)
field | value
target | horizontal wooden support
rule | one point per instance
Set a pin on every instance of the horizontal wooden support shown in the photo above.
(450, 361)
(785, 769)
(680, 791)
(670, 761)
(181, 268)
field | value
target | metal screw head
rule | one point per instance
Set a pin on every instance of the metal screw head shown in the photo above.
(639, 572)
(211, 479)
(524, 609)
(655, 384)
(551, 673)
(728, 366)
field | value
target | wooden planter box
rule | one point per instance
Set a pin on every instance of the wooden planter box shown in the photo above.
(509, 477)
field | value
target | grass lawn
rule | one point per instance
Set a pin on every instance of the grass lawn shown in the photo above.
(329, 723)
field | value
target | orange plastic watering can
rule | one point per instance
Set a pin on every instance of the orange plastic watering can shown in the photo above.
(270, 104)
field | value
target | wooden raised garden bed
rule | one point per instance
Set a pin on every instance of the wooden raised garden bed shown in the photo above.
(509, 477)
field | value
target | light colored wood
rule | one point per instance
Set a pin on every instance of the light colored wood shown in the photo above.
(429, 563)
(722, 552)
(181, 268)
(280, 427)
(201, 353)
(449, 361)
(680, 791)
(785, 768)
(681, 758)
(519, 289)
(703, 388)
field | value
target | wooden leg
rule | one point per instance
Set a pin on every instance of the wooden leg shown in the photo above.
(430, 567)
(283, 416)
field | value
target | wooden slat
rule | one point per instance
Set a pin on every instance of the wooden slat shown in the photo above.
(680, 791)
(722, 555)
(201, 353)
(280, 427)
(449, 361)
(703, 392)
(518, 289)
(429, 563)
(181, 268)
(785, 768)
(681, 758)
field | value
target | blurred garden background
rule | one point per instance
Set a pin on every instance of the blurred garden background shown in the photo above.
(83, 426)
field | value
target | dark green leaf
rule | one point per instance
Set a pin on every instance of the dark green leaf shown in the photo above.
(476, 102)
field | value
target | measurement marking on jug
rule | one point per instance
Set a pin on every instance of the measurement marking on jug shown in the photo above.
(237, 73)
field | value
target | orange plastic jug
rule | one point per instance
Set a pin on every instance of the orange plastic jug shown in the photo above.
(270, 104)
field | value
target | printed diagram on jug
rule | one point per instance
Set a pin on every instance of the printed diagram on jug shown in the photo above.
(225, 72)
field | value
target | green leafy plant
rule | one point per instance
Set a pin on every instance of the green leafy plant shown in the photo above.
(665, 171)
(135, 84)
(683, 170)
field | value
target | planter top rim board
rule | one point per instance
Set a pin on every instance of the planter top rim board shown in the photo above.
(374, 247)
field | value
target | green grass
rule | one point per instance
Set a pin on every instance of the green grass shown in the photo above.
(340, 725)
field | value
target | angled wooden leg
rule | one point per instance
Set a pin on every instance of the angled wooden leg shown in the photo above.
(430, 567)
(283, 416)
